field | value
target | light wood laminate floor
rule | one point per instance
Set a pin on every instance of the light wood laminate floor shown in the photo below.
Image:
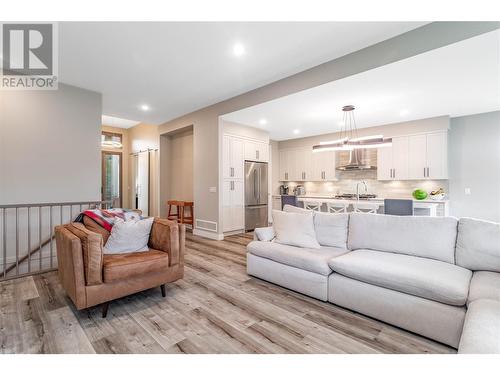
(216, 308)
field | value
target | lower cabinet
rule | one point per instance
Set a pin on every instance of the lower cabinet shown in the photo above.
(233, 205)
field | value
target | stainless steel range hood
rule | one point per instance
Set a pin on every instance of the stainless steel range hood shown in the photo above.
(355, 164)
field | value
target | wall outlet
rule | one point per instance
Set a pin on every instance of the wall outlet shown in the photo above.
(212, 189)
(467, 191)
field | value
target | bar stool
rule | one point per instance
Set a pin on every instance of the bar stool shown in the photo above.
(366, 207)
(337, 207)
(313, 205)
(180, 212)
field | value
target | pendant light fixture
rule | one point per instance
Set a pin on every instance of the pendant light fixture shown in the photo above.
(348, 138)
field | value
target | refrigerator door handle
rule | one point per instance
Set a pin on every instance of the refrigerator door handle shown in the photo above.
(255, 183)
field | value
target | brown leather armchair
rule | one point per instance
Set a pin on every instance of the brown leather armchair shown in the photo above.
(91, 278)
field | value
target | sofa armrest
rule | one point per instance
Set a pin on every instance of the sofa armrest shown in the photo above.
(264, 234)
(168, 236)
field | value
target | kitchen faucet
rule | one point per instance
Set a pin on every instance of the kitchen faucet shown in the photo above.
(357, 188)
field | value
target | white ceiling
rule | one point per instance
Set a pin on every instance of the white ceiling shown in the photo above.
(456, 80)
(176, 68)
(118, 122)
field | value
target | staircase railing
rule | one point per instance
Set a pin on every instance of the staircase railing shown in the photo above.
(27, 238)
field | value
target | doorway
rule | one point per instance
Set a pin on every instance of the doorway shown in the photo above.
(112, 177)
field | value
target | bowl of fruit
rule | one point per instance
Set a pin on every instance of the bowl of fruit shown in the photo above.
(419, 194)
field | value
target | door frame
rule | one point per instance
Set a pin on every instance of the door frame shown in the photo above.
(120, 154)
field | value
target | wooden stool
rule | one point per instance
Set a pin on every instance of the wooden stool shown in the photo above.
(180, 212)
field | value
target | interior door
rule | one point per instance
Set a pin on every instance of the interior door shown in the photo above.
(112, 177)
(142, 181)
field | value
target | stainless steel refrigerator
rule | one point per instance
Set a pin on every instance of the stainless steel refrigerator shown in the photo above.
(256, 199)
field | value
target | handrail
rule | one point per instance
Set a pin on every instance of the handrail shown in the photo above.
(54, 204)
(18, 230)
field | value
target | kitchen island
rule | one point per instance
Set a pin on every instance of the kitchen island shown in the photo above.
(425, 207)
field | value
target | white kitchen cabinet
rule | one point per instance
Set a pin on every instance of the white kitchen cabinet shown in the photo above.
(232, 157)
(392, 162)
(256, 151)
(303, 165)
(233, 206)
(437, 156)
(417, 157)
(428, 156)
(287, 165)
(323, 166)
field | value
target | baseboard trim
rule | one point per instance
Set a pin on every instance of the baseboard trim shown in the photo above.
(207, 234)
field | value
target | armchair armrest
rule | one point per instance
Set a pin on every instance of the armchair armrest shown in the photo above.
(70, 265)
(168, 236)
(91, 245)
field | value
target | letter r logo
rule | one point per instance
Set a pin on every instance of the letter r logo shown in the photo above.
(27, 49)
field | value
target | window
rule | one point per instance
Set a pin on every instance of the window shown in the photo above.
(111, 140)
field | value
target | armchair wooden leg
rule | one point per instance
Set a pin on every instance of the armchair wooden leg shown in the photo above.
(105, 309)
(163, 293)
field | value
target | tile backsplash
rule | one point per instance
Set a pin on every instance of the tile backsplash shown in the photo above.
(347, 181)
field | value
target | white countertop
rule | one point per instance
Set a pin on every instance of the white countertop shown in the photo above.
(329, 198)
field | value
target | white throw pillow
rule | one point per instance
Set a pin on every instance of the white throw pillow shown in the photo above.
(295, 229)
(295, 209)
(265, 234)
(331, 229)
(129, 236)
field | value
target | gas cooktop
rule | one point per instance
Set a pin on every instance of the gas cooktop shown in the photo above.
(353, 196)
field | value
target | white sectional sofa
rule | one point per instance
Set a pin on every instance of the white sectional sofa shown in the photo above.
(435, 276)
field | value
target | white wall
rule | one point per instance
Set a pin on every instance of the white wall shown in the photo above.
(474, 157)
(50, 146)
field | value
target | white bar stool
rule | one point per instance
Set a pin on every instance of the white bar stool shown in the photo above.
(313, 205)
(366, 207)
(337, 207)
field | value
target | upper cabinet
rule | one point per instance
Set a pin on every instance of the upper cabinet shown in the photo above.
(232, 157)
(428, 156)
(392, 162)
(302, 164)
(414, 157)
(256, 151)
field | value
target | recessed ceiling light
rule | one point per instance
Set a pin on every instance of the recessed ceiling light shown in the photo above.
(238, 49)
(403, 112)
(296, 131)
(145, 107)
(263, 121)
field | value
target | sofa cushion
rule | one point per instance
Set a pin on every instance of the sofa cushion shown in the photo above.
(481, 333)
(478, 245)
(484, 284)
(313, 260)
(124, 266)
(428, 237)
(331, 229)
(422, 277)
(295, 229)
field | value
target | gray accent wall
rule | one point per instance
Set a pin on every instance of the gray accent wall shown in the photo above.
(50, 146)
(474, 162)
